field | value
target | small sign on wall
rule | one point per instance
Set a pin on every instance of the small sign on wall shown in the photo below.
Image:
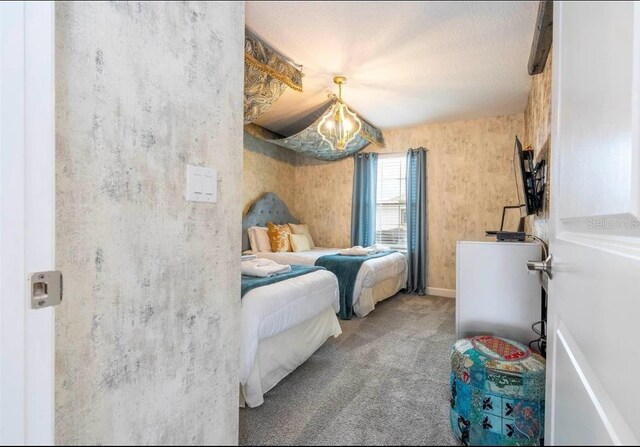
(202, 184)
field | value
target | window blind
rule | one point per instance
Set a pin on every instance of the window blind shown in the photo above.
(391, 201)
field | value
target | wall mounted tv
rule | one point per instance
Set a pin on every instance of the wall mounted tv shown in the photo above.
(530, 180)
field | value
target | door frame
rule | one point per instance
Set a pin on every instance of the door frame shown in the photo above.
(27, 219)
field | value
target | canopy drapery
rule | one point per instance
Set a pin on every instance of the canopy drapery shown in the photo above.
(266, 77)
(309, 142)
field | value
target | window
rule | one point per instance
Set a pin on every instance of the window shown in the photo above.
(391, 201)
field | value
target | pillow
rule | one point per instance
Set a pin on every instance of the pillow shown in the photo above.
(253, 245)
(302, 229)
(279, 237)
(299, 242)
(259, 239)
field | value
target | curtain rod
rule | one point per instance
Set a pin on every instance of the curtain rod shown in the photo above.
(381, 154)
(388, 154)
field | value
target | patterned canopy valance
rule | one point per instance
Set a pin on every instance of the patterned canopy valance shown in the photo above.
(310, 142)
(266, 76)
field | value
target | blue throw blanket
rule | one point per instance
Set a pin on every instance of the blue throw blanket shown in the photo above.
(346, 268)
(251, 282)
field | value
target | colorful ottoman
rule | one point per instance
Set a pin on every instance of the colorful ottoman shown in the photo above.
(497, 392)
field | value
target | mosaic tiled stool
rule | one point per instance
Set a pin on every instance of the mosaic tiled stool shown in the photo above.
(497, 392)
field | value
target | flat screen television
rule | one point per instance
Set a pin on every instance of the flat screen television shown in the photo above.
(529, 180)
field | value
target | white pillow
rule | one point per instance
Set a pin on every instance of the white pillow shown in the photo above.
(299, 242)
(253, 245)
(302, 229)
(259, 239)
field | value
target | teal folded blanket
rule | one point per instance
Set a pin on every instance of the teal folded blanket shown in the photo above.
(249, 283)
(346, 268)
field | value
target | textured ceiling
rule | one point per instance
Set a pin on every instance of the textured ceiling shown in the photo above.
(407, 63)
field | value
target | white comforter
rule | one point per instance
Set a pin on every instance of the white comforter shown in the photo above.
(372, 271)
(272, 309)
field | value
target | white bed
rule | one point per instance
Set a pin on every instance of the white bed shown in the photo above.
(282, 325)
(378, 279)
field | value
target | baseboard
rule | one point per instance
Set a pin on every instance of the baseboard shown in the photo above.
(445, 293)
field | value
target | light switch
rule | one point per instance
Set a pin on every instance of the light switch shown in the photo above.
(202, 184)
(209, 185)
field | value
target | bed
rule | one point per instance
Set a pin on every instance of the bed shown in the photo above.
(378, 278)
(282, 325)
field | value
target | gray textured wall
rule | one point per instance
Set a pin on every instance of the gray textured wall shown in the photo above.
(147, 337)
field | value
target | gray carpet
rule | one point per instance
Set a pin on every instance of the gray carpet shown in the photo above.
(384, 381)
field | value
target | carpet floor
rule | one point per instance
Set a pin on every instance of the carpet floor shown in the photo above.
(384, 381)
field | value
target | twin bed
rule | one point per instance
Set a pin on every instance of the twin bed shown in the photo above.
(284, 323)
(377, 280)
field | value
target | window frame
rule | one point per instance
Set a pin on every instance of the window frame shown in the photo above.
(403, 157)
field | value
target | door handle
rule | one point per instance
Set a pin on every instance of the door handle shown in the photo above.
(541, 266)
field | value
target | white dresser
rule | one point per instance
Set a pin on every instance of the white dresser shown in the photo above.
(495, 294)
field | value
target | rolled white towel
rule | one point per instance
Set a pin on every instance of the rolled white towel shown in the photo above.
(377, 248)
(263, 268)
(358, 250)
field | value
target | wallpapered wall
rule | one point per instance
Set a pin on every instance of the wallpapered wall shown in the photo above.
(323, 200)
(537, 123)
(470, 179)
(268, 168)
(147, 347)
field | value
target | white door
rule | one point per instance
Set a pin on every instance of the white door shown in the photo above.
(27, 176)
(593, 380)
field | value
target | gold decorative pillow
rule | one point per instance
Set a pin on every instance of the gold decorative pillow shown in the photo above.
(302, 229)
(299, 242)
(279, 237)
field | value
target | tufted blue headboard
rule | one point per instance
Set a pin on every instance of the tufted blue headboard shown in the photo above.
(268, 208)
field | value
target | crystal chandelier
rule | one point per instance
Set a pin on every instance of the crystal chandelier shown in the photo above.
(339, 125)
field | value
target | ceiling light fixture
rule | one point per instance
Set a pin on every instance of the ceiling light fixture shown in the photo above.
(339, 125)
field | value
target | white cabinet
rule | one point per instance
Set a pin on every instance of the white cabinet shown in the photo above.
(495, 294)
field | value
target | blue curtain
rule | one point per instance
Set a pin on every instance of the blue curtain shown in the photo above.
(417, 234)
(363, 206)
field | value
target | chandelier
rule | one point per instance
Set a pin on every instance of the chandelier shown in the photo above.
(339, 125)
